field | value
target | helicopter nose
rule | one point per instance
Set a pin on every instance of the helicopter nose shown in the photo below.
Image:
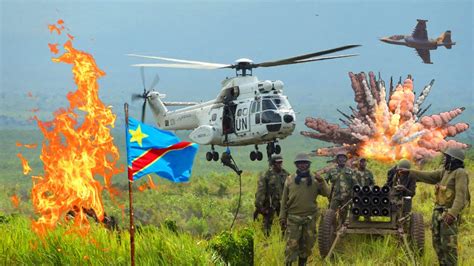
(288, 118)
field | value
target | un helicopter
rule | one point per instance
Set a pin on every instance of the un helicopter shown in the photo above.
(247, 111)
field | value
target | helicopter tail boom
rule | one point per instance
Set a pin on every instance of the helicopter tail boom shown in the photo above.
(157, 106)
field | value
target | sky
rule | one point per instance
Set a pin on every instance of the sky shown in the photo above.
(223, 31)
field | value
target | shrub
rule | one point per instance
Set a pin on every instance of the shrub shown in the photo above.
(234, 248)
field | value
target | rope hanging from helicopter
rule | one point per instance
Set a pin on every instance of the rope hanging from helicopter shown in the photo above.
(228, 161)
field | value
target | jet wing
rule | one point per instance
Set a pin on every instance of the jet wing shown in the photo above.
(420, 32)
(425, 55)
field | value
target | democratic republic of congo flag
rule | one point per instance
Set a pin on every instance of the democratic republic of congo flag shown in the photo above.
(152, 150)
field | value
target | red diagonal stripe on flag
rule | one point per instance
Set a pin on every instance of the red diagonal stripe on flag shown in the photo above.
(150, 156)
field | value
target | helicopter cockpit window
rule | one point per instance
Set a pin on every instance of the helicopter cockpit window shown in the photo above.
(253, 108)
(281, 103)
(258, 106)
(269, 117)
(214, 117)
(268, 105)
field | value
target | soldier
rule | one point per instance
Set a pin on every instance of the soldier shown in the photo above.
(269, 189)
(363, 175)
(403, 186)
(342, 180)
(300, 210)
(451, 197)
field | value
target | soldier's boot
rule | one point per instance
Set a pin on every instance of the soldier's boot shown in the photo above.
(302, 261)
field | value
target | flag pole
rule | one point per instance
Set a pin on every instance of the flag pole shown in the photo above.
(130, 181)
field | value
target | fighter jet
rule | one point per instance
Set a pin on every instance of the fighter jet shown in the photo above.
(419, 40)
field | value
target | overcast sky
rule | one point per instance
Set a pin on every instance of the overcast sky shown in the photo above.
(223, 31)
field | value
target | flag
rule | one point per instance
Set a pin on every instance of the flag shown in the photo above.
(152, 150)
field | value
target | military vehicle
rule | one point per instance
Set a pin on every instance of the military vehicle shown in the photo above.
(376, 211)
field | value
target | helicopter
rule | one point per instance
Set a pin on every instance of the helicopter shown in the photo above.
(247, 111)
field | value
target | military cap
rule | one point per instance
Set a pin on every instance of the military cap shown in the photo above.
(276, 158)
(341, 153)
(455, 153)
(404, 164)
(302, 157)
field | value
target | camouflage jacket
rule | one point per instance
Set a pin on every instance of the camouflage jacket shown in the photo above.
(452, 188)
(364, 178)
(342, 180)
(269, 189)
(300, 199)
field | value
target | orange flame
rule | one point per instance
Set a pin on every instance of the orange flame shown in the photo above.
(148, 185)
(24, 162)
(53, 47)
(15, 201)
(75, 152)
(28, 146)
(142, 187)
(54, 28)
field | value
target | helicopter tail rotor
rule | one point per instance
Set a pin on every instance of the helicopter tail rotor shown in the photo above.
(144, 96)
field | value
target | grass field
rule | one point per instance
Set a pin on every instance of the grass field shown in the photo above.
(202, 211)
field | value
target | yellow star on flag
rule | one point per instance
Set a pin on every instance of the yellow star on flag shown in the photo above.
(137, 135)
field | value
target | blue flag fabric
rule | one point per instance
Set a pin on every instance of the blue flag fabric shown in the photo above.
(152, 150)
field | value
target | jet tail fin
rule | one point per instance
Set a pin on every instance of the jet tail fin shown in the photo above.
(445, 39)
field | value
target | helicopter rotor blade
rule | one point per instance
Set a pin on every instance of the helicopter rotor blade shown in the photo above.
(154, 82)
(316, 59)
(136, 96)
(325, 58)
(188, 66)
(142, 72)
(300, 58)
(143, 110)
(180, 60)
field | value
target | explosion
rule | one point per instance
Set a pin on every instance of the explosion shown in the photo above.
(388, 127)
(77, 146)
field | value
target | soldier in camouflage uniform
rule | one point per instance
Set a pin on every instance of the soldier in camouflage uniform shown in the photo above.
(364, 176)
(299, 210)
(269, 189)
(451, 197)
(342, 180)
(402, 186)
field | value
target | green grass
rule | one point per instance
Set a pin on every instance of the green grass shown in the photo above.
(202, 210)
(154, 246)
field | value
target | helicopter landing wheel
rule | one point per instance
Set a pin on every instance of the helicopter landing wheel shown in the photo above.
(209, 156)
(253, 155)
(277, 149)
(215, 156)
(259, 155)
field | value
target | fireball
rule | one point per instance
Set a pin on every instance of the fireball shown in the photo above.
(388, 127)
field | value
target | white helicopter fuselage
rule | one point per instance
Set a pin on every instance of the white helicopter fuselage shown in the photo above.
(247, 111)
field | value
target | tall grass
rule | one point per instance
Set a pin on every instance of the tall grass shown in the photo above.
(154, 246)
